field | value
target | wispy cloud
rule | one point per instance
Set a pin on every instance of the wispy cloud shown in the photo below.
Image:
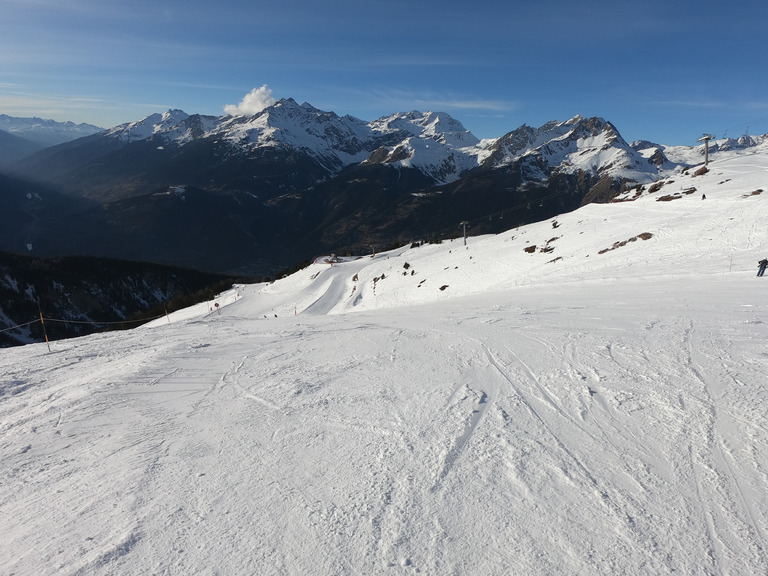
(91, 109)
(703, 103)
(401, 100)
(20, 100)
(193, 85)
(463, 104)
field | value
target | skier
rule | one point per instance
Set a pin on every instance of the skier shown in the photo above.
(761, 266)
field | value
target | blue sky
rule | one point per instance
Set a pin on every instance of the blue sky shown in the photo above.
(663, 71)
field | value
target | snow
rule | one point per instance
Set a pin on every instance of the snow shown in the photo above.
(596, 404)
(434, 142)
(718, 149)
(439, 145)
(437, 126)
(303, 127)
(146, 127)
(46, 132)
(603, 154)
(437, 159)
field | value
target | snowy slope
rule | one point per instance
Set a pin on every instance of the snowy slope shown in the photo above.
(590, 145)
(718, 149)
(337, 141)
(333, 140)
(146, 127)
(584, 395)
(432, 142)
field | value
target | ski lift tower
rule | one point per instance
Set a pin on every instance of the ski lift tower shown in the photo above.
(706, 138)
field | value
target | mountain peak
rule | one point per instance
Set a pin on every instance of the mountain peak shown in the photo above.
(147, 126)
(174, 115)
(438, 126)
(575, 120)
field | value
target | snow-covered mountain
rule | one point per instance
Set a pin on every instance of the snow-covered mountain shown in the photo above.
(171, 122)
(583, 395)
(293, 180)
(692, 155)
(590, 145)
(335, 142)
(46, 132)
(433, 142)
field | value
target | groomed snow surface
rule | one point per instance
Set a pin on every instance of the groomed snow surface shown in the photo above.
(488, 409)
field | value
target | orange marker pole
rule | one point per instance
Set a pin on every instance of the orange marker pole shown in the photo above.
(45, 332)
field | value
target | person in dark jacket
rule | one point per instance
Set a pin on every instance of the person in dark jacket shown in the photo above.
(761, 266)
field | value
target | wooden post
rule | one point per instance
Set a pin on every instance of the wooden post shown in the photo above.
(42, 321)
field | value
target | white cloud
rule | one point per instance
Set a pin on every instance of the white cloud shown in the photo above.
(252, 103)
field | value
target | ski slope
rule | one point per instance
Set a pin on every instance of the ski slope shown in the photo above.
(597, 404)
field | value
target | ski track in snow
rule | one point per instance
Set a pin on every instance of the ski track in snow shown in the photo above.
(607, 416)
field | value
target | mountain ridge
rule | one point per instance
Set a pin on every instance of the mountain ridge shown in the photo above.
(434, 143)
(339, 141)
(292, 180)
(45, 132)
